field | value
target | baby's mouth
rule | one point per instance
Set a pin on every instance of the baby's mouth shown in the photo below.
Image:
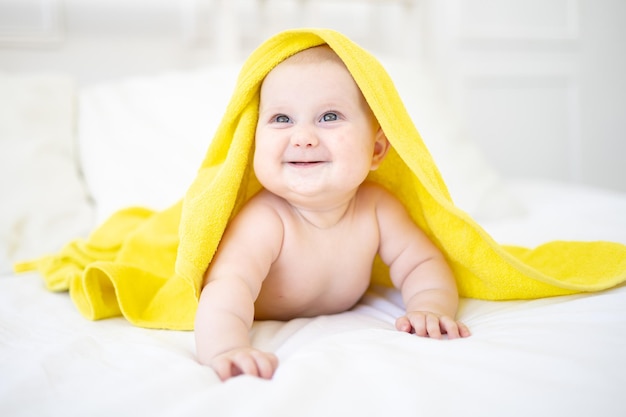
(305, 163)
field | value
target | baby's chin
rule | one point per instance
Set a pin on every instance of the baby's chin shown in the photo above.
(313, 192)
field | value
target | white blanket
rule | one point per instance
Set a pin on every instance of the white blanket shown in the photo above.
(550, 357)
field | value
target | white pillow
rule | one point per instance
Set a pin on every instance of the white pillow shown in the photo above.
(142, 139)
(44, 203)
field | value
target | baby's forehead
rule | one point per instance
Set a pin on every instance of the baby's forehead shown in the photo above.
(314, 54)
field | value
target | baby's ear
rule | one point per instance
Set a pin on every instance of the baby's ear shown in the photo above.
(381, 147)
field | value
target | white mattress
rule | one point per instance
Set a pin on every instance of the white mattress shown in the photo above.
(561, 356)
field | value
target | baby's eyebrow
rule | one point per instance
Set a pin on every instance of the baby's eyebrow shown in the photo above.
(271, 110)
(277, 106)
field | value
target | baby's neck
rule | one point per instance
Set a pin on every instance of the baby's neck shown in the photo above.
(325, 217)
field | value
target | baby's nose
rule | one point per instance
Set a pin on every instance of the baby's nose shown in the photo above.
(304, 138)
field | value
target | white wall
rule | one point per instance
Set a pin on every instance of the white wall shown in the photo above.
(541, 83)
(538, 82)
(102, 39)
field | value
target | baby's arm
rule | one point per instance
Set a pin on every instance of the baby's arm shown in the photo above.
(233, 281)
(420, 271)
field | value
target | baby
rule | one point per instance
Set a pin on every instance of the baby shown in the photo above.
(305, 244)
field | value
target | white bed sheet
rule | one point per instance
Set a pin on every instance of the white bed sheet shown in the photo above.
(561, 356)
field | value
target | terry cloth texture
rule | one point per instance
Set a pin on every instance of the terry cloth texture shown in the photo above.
(148, 266)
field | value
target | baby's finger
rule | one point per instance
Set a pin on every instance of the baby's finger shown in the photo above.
(224, 369)
(433, 326)
(266, 364)
(454, 329)
(419, 323)
(246, 364)
(403, 324)
(450, 327)
(464, 331)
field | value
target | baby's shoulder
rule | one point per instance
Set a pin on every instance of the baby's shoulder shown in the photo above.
(384, 201)
(262, 206)
(263, 201)
(374, 192)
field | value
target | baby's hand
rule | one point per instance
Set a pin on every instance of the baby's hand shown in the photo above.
(427, 324)
(246, 361)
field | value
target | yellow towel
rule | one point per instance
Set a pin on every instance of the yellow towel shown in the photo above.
(148, 266)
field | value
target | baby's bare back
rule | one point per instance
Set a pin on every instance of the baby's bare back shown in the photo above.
(320, 270)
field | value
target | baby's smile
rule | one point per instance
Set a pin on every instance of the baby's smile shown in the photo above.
(305, 163)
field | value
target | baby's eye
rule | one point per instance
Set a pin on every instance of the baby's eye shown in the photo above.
(281, 118)
(330, 117)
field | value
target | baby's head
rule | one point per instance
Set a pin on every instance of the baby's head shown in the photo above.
(316, 134)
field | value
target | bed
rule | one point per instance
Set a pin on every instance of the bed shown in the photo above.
(73, 154)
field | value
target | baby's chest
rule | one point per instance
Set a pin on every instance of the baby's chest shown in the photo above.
(347, 253)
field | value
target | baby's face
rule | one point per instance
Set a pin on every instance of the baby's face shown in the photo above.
(316, 136)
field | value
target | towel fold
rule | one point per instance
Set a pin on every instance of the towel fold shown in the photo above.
(148, 266)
